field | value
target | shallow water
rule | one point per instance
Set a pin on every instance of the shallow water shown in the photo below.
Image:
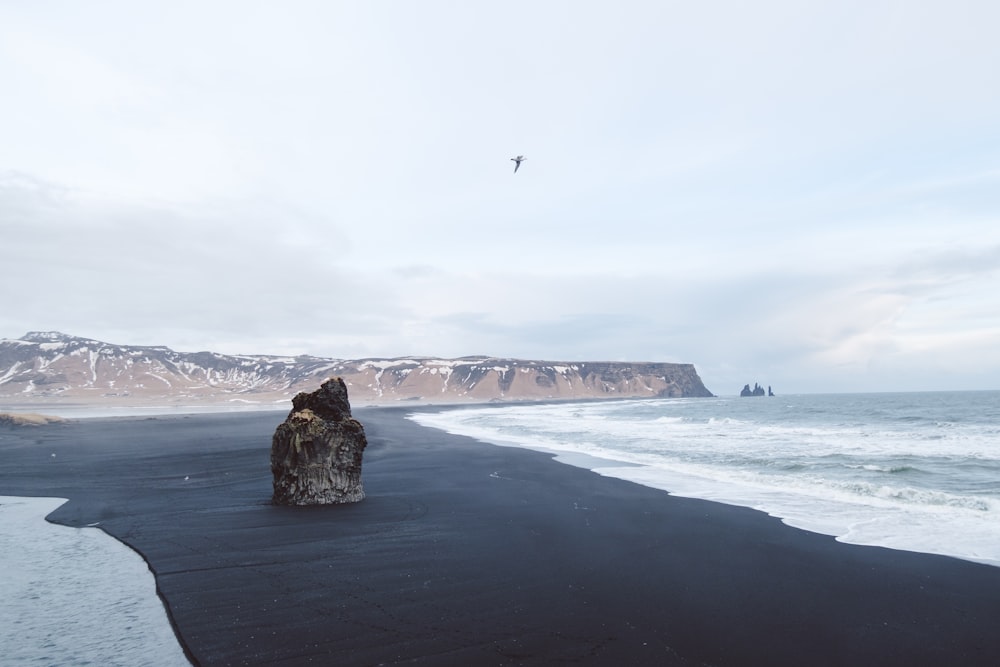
(76, 596)
(918, 471)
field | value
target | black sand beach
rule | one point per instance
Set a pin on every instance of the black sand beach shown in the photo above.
(471, 554)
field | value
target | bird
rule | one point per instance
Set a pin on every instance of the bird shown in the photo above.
(517, 161)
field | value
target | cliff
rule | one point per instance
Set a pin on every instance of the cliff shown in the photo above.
(45, 366)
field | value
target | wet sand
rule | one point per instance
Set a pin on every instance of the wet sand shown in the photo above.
(470, 554)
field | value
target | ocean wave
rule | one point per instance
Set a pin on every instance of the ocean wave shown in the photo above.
(890, 469)
(909, 495)
(827, 464)
(725, 420)
(669, 420)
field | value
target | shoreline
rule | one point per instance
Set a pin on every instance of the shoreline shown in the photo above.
(78, 595)
(862, 518)
(464, 552)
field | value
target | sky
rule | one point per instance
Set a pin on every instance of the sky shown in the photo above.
(801, 194)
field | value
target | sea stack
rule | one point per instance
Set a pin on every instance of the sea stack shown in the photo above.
(316, 453)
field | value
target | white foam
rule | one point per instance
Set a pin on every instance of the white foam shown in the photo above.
(905, 485)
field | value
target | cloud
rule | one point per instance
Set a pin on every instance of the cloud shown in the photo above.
(802, 194)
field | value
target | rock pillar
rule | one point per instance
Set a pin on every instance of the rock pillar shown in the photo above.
(316, 453)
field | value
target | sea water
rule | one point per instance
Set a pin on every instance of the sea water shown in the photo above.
(76, 596)
(912, 471)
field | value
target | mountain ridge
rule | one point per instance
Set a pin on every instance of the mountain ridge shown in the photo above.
(52, 366)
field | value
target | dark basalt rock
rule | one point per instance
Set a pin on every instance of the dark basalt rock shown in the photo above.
(756, 391)
(316, 453)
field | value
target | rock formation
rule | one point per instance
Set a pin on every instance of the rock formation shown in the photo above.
(756, 391)
(316, 453)
(13, 419)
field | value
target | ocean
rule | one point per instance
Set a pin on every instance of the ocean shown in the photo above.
(76, 596)
(911, 471)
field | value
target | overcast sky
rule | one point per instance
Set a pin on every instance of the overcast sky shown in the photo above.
(804, 194)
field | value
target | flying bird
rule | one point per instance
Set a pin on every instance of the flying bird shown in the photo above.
(517, 161)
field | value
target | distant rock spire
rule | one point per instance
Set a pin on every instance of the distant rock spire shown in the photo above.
(756, 391)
